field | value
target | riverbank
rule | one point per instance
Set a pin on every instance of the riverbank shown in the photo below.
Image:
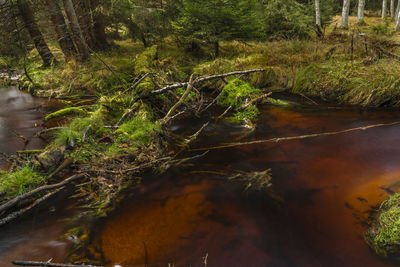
(115, 124)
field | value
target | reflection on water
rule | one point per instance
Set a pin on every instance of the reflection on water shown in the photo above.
(329, 184)
(20, 114)
(36, 237)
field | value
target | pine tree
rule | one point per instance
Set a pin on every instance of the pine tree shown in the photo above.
(213, 21)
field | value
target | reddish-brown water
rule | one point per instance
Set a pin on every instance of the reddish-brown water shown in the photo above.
(36, 237)
(328, 185)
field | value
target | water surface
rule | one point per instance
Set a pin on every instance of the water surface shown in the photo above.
(328, 184)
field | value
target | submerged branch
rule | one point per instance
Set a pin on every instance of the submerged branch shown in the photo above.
(289, 138)
(13, 202)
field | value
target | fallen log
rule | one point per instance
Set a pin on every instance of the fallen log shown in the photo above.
(49, 264)
(13, 202)
(200, 80)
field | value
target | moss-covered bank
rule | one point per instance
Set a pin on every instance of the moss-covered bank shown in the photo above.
(384, 234)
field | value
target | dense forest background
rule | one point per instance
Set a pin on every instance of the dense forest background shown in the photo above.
(80, 27)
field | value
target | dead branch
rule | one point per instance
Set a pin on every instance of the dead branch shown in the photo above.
(196, 134)
(254, 101)
(48, 264)
(225, 112)
(22, 211)
(63, 165)
(13, 202)
(197, 81)
(180, 101)
(300, 137)
(128, 114)
(48, 130)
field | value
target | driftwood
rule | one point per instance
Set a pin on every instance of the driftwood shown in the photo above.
(49, 264)
(300, 137)
(12, 203)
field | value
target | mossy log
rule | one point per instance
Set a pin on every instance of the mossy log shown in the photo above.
(66, 112)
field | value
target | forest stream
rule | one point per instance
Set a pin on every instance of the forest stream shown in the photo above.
(328, 186)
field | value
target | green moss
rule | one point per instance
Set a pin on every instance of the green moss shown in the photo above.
(137, 131)
(78, 126)
(19, 182)
(236, 92)
(145, 61)
(384, 234)
(65, 112)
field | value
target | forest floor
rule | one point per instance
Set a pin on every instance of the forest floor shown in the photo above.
(113, 127)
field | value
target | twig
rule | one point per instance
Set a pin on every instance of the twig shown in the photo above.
(253, 101)
(13, 202)
(225, 112)
(62, 166)
(280, 139)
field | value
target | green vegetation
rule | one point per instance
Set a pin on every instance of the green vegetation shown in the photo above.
(384, 234)
(19, 182)
(65, 112)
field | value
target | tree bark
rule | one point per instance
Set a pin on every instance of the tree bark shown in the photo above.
(392, 15)
(317, 13)
(360, 11)
(35, 33)
(63, 36)
(83, 14)
(216, 46)
(99, 27)
(76, 30)
(345, 14)
(384, 8)
(397, 17)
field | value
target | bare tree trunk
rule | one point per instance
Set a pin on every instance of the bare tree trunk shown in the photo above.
(216, 45)
(360, 11)
(83, 14)
(397, 25)
(35, 33)
(76, 30)
(392, 15)
(384, 8)
(397, 17)
(99, 26)
(317, 13)
(63, 36)
(345, 14)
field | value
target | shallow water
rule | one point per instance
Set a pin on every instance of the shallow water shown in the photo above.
(36, 237)
(329, 184)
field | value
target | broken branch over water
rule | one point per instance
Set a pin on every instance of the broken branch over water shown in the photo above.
(200, 80)
(280, 139)
(15, 201)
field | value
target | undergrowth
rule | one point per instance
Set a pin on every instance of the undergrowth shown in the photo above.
(19, 182)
